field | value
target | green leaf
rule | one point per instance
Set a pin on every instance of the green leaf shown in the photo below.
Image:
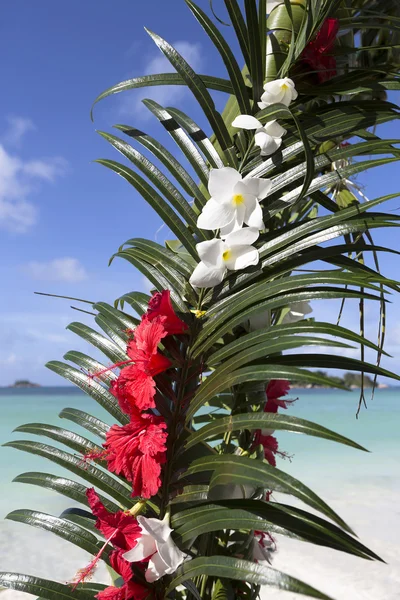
(63, 436)
(330, 361)
(239, 25)
(182, 140)
(116, 317)
(261, 335)
(259, 420)
(161, 275)
(160, 253)
(268, 348)
(154, 199)
(165, 157)
(93, 475)
(50, 590)
(90, 365)
(61, 485)
(213, 83)
(64, 529)
(137, 300)
(191, 493)
(92, 424)
(96, 339)
(271, 516)
(254, 44)
(234, 71)
(197, 87)
(90, 387)
(254, 373)
(80, 517)
(241, 570)
(198, 136)
(326, 180)
(256, 474)
(158, 179)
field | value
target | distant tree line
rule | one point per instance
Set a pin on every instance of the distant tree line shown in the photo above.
(349, 379)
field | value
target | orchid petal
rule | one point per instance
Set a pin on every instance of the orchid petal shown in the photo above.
(266, 143)
(205, 276)
(232, 226)
(159, 530)
(156, 568)
(216, 214)
(222, 181)
(243, 237)
(246, 122)
(257, 187)
(297, 312)
(171, 555)
(274, 129)
(254, 218)
(210, 252)
(145, 547)
(280, 90)
(241, 257)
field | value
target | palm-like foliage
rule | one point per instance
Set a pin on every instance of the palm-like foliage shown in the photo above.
(311, 215)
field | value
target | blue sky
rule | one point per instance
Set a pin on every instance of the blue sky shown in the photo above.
(61, 215)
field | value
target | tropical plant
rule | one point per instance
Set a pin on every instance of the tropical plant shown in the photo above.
(195, 384)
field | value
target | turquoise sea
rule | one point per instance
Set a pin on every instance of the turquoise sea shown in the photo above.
(364, 488)
(377, 428)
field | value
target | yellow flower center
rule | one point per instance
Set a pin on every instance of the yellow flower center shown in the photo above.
(226, 255)
(199, 314)
(237, 199)
(284, 86)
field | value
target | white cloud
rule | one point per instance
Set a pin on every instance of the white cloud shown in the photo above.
(17, 128)
(48, 169)
(131, 103)
(19, 179)
(66, 269)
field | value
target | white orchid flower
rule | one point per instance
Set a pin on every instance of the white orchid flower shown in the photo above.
(279, 90)
(234, 201)
(261, 320)
(297, 312)
(156, 544)
(268, 137)
(218, 256)
(263, 547)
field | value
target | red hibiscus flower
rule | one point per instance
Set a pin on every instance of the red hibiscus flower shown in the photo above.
(137, 451)
(120, 528)
(131, 590)
(160, 305)
(317, 53)
(270, 445)
(135, 387)
(274, 390)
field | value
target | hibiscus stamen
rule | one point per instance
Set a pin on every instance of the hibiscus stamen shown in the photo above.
(111, 368)
(92, 456)
(88, 571)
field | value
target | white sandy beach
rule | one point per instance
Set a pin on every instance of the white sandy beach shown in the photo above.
(373, 511)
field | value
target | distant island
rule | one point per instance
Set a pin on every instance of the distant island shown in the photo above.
(350, 380)
(24, 383)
